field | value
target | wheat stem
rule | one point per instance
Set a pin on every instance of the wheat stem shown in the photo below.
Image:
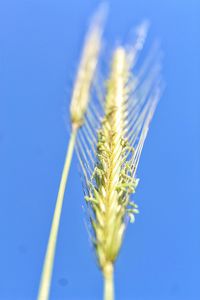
(108, 282)
(78, 109)
(50, 252)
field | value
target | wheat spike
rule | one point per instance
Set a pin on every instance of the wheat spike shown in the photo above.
(79, 104)
(130, 102)
(86, 71)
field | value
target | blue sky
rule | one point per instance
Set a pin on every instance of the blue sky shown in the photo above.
(40, 44)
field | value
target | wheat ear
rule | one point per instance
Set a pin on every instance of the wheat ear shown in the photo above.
(110, 169)
(79, 103)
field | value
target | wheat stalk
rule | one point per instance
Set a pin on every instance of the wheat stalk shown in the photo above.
(110, 168)
(79, 104)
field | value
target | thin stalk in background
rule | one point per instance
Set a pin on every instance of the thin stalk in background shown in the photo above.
(79, 104)
(50, 253)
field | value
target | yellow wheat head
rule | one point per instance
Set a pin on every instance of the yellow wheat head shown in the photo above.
(110, 145)
(87, 68)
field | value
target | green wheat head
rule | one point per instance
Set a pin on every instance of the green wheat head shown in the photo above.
(110, 145)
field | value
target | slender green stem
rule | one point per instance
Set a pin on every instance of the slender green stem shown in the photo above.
(45, 282)
(108, 282)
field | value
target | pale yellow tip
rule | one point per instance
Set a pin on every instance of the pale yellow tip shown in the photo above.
(86, 71)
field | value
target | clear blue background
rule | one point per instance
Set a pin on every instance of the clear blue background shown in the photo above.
(40, 44)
